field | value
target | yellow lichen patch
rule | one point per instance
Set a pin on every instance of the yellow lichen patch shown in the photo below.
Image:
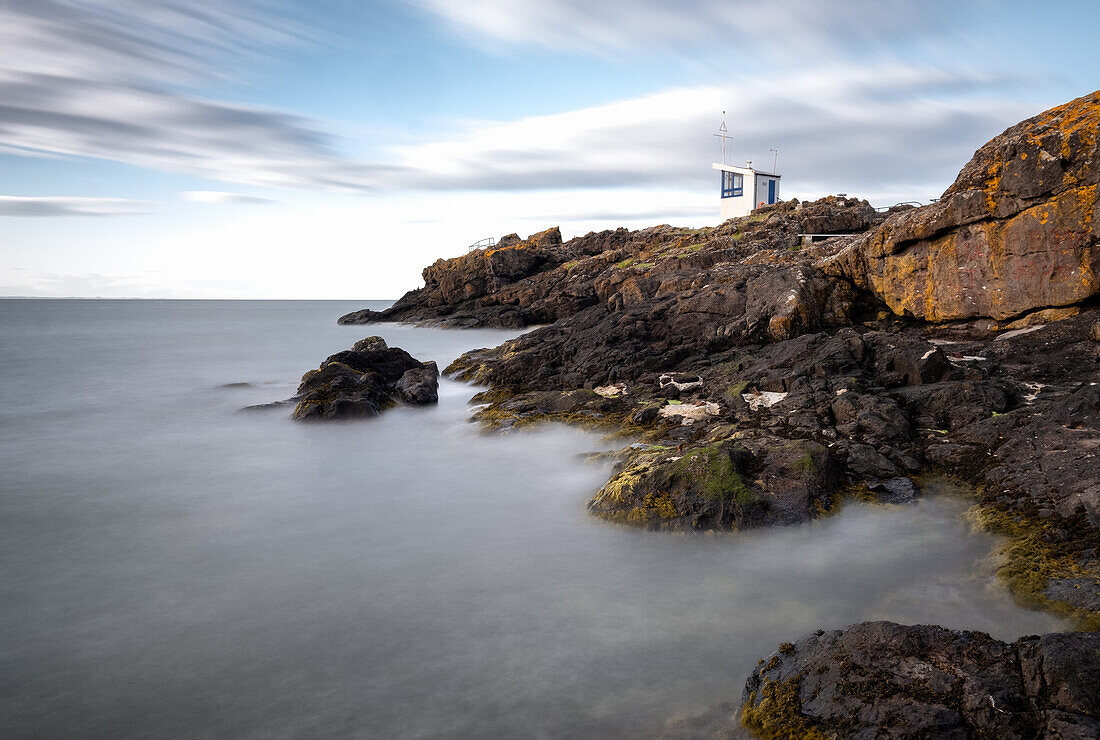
(1045, 316)
(1081, 117)
(1030, 559)
(775, 714)
(940, 267)
(659, 504)
(993, 183)
(620, 489)
(1086, 206)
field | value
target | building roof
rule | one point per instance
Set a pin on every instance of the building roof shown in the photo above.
(743, 170)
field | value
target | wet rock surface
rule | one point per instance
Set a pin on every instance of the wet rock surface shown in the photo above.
(363, 381)
(885, 680)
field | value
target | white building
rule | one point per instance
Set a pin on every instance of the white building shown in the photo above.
(744, 188)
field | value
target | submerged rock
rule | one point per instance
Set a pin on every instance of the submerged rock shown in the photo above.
(363, 381)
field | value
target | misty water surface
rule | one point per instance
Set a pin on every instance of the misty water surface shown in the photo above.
(171, 567)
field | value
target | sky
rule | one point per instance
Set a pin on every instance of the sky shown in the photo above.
(330, 149)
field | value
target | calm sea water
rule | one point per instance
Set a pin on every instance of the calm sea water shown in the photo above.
(172, 567)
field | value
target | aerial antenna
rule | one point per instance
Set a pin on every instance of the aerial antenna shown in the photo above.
(722, 134)
(775, 162)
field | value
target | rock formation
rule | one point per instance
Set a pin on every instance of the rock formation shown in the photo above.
(365, 380)
(885, 680)
(1019, 230)
(766, 379)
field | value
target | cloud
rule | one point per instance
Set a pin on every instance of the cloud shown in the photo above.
(11, 205)
(217, 196)
(162, 130)
(146, 284)
(109, 79)
(653, 216)
(782, 27)
(181, 41)
(890, 130)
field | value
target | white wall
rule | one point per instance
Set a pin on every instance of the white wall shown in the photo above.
(742, 204)
(755, 191)
(762, 190)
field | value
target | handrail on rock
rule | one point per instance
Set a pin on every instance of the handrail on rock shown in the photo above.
(486, 243)
(914, 203)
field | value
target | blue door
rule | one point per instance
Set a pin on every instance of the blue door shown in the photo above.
(771, 191)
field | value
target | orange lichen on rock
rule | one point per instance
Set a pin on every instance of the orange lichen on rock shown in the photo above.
(1016, 232)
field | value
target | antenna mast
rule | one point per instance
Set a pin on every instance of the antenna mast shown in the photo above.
(722, 134)
(775, 162)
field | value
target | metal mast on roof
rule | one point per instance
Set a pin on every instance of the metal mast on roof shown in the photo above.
(722, 134)
(775, 162)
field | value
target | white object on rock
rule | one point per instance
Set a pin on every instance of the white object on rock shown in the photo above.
(689, 413)
(611, 391)
(762, 399)
(1018, 332)
(667, 380)
(1036, 389)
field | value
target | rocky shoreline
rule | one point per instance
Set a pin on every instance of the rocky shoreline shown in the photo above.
(766, 379)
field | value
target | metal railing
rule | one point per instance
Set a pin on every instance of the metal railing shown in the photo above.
(486, 243)
(915, 203)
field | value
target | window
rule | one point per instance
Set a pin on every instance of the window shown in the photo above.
(733, 184)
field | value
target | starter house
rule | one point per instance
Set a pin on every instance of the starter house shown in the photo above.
(744, 188)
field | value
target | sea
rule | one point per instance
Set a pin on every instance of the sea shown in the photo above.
(174, 567)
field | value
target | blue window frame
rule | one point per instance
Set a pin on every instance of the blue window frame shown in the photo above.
(733, 184)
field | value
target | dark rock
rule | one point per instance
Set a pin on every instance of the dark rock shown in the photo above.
(954, 458)
(1062, 671)
(363, 316)
(1080, 593)
(363, 381)
(864, 461)
(900, 490)
(419, 386)
(880, 679)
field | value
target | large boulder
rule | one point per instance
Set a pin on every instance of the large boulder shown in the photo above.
(886, 680)
(1017, 231)
(363, 381)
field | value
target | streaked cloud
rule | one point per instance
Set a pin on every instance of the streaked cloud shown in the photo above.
(11, 205)
(145, 284)
(784, 27)
(892, 129)
(653, 216)
(111, 80)
(179, 41)
(218, 196)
